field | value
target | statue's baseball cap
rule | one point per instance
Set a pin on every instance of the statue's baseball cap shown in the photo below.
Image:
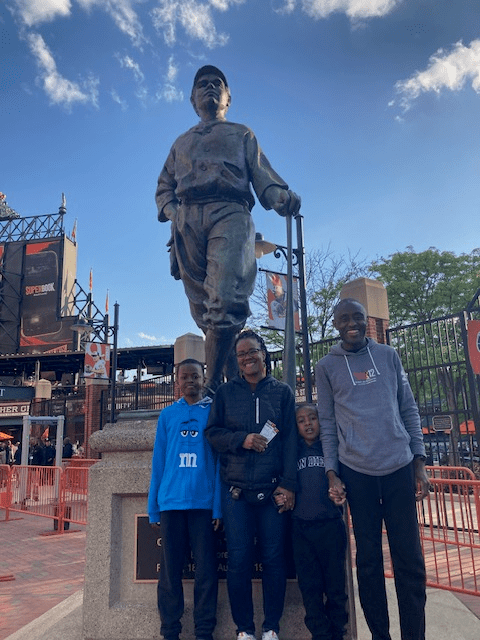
(209, 68)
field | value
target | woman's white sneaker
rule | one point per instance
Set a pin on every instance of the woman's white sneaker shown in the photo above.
(243, 635)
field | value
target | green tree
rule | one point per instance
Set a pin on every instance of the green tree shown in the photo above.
(426, 285)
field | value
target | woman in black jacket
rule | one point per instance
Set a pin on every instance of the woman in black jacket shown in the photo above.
(252, 427)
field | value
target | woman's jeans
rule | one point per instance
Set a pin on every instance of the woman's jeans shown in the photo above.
(243, 522)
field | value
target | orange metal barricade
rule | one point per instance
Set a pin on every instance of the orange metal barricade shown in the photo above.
(5, 489)
(449, 521)
(74, 495)
(49, 492)
(35, 489)
(453, 473)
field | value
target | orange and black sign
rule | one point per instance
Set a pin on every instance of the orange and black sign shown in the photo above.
(474, 344)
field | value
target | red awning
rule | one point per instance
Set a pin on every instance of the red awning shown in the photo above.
(467, 427)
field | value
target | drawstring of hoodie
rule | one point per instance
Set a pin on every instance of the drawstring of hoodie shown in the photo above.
(354, 382)
(373, 361)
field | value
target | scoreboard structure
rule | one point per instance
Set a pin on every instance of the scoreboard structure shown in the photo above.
(38, 265)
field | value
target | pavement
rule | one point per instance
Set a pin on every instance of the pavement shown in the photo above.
(41, 597)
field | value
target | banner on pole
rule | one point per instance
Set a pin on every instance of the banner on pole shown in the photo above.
(277, 300)
(97, 360)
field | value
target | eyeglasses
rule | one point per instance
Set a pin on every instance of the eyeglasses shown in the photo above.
(244, 354)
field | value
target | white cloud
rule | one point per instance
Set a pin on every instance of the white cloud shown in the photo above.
(288, 6)
(169, 91)
(354, 9)
(223, 5)
(145, 336)
(195, 18)
(128, 63)
(142, 94)
(116, 98)
(172, 70)
(33, 12)
(59, 89)
(141, 91)
(123, 15)
(445, 71)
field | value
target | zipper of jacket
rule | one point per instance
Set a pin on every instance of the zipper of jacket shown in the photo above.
(256, 417)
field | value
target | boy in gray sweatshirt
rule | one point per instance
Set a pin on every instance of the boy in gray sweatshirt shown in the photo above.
(375, 456)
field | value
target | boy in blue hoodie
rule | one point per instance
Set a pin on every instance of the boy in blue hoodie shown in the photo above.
(184, 501)
(318, 534)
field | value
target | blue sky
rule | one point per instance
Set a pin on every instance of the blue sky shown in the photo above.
(369, 109)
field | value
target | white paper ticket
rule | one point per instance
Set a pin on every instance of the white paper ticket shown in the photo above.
(269, 430)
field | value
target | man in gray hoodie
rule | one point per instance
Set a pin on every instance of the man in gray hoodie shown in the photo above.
(375, 457)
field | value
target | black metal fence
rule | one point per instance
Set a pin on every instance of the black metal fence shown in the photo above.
(69, 401)
(435, 357)
(317, 351)
(151, 395)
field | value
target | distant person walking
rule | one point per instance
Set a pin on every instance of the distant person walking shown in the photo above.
(67, 451)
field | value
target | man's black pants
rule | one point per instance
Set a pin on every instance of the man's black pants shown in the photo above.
(390, 499)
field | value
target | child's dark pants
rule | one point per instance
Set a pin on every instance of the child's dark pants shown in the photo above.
(319, 548)
(178, 529)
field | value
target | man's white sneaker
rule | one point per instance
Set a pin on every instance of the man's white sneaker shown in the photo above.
(269, 635)
(243, 635)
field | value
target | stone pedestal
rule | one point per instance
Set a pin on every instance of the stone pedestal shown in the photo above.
(373, 296)
(189, 346)
(115, 607)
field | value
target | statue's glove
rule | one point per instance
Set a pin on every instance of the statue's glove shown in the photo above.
(284, 201)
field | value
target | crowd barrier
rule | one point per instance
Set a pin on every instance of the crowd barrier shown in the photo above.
(449, 523)
(449, 518)
(57, 493)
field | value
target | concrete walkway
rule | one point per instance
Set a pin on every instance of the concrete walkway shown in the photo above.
(43, 601)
